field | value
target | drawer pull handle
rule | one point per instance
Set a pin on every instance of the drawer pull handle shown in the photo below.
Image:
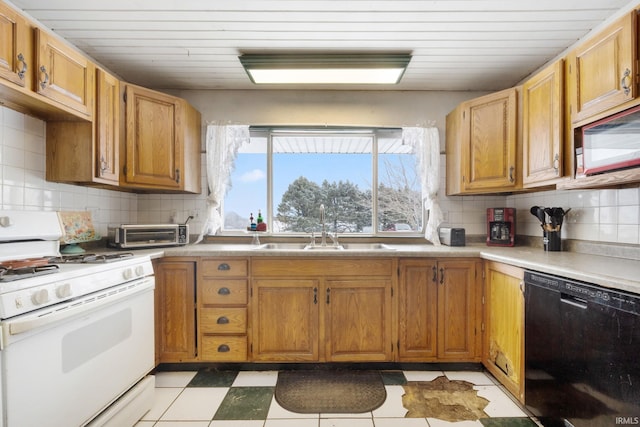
(224, 291)
(224, 267)
(222, 320)
(223, 348)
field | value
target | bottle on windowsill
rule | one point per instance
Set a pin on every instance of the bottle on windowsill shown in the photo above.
(261, 226)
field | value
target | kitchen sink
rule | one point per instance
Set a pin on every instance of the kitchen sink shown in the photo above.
(328, 248)
(281, 246)
(368, 247)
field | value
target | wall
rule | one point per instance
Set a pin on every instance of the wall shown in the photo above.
(597, 215)
(23, 187)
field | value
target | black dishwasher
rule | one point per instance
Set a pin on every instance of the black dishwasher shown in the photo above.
(582, 353)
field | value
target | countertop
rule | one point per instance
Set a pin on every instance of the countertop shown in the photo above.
(612, 272)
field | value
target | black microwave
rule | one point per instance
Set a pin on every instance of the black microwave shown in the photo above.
(612, 143)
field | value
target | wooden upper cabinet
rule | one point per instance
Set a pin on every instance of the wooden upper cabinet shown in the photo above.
(64, 75)
(483, 146)
(15, 48)
(162, 142)
(542, 126)
(83, 152)
(107, 127)
(603, 71)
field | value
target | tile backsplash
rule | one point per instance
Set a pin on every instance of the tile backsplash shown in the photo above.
(22, 167)
(611, 215)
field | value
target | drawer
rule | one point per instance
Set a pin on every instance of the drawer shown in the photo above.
(224, 348)
(223, 292)
(223, 320)
(222, 267)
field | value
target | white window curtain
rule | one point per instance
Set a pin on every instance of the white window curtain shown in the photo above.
(222, 144)
(426, 146)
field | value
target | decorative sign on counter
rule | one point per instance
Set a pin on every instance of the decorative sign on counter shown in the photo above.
(77, 228)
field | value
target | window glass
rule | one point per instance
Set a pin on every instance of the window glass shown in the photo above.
(248, 185)
(366, 180)
(399, 192)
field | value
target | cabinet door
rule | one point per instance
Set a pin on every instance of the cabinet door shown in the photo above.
(107, 123)
(503, 353)
(175, 293)
(603, 69)
(153, 155)
(64, 75)
(418, 310)
(15, 48)
(358, 320)
(458, 313)
(542, 132)
(489, 145)
(285, 320)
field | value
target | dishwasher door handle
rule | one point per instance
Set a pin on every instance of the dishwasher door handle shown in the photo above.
(573, 300)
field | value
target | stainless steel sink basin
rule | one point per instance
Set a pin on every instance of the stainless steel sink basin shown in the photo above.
(368, 247)
(281, 246)
(317, 247)
(328, 248)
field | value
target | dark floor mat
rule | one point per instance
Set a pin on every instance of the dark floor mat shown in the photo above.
(334, 392)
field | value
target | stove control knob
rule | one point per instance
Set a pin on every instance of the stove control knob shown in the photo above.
(63, 291)
(40, 297)
(127, 274)
(5, 221)
(139, 271)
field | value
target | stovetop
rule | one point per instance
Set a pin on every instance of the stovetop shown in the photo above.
(90, 258)
(70, 280)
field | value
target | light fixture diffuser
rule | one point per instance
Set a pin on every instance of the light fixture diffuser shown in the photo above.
(325, 69)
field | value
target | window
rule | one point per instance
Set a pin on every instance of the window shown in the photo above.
(366, 179)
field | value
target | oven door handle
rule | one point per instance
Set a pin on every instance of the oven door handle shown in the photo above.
(100, 299)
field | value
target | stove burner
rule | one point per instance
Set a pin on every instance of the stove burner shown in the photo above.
(11, 274)
(91, 258)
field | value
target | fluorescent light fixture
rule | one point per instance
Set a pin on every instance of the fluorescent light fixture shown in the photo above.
(325, 69)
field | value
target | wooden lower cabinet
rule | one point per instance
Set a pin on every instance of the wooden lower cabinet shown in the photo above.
(503, 353)
(358, 320)
(222, 309)
(343, 312)
(175, 310)
(439, 310)
(286, 319)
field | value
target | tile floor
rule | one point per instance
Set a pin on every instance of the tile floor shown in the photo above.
(209, 398)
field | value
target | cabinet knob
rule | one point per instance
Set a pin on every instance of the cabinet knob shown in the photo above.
(22, 71)
(556, 163)
(223, 348)
(224, 291)
(45, 82)
(222, 320)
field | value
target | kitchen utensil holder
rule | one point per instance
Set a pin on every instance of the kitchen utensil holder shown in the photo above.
(552, 241)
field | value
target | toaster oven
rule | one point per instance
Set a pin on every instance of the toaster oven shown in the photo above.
(132, 236)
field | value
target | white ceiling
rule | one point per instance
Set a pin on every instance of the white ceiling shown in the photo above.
(194, 44)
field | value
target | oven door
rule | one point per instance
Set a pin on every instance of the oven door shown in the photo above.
(62, 367)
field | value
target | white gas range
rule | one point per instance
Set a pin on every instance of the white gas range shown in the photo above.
(66, 326)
